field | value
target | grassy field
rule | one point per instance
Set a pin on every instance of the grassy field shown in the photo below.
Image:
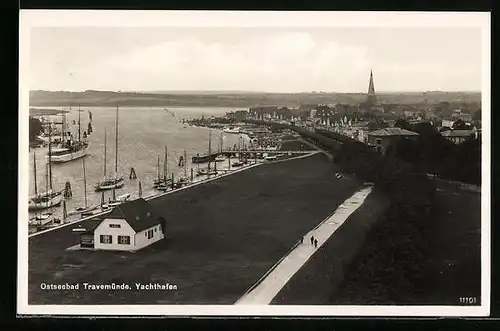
(314, 282)
(450, 266)
(222, 237)
(295, 145)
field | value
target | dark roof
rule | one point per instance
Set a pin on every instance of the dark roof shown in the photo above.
(138, 213)
(90, 225)
(392, 132)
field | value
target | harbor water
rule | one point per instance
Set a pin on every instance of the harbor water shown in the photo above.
(143, 134)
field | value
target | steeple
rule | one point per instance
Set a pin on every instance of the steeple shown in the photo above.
(372, 99)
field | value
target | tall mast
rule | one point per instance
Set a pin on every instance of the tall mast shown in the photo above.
(34, 171)
(165, 165)
(221, 140)
(116, 143)
(158, 167)
(84, 181)
(185, 164)
(62, 125)
(209, 147)
(105, 152)
(79, 123)
(209, 142)
(50, 156)
(47, 181)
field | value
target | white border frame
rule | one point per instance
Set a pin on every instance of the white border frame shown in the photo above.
(94, 18)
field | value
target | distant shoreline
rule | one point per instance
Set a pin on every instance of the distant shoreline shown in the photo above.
(46, 112)
(128, 99)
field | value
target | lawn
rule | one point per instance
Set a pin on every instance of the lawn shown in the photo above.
(295, 145)
(448, 268)
(222, 237)
(324, 271)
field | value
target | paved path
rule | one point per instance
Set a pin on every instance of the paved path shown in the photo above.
(269, 286)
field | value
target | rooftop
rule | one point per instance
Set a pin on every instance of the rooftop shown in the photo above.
(392, 132)
(457, 133)
(138, 213)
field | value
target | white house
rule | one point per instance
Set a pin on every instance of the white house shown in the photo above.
(128, 227)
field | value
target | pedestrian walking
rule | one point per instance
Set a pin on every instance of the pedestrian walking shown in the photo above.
(302, 240)
(315, 243)
(312, 240)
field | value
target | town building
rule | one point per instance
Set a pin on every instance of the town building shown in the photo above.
(458, 136)
(130, 226)
(385, 140)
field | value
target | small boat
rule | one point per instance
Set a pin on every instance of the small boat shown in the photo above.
(115, 202)
(47, 199)
(116, 181)
(86, 209)
(43, 221)
(235, 130)
(206, 172)
(109, 184)
(220, 158)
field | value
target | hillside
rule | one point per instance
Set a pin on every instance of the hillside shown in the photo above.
(40, 98)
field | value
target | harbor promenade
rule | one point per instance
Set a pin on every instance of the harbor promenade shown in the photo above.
(262, 292)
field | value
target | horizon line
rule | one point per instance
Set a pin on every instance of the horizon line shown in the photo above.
(256, 92)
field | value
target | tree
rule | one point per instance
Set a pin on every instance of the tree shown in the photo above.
(35, 128)
(403, 124)
(460, 125)
(477, 115)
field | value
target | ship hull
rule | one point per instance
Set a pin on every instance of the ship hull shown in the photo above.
(68, 157)
(110, 186)
(53, 202)
(203, 159)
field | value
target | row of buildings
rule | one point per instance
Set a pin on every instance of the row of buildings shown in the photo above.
(370, 121)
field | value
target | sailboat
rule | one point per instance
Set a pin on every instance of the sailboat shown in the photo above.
(69, 149)
(115, 201)
(49, 198)
(220, 157)
(208, 171)
(163, 182)
(86, 209)
(116, 181)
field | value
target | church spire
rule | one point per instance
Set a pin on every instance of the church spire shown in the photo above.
(371, 90)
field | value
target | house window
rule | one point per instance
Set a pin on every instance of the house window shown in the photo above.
(378, 141)
(115, 226)
(150, 234)
(124, 240)
(106, 239)
(156, 230)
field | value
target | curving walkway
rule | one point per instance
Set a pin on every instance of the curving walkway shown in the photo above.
(276, 278)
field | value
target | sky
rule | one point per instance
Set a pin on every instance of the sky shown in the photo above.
(256, 59)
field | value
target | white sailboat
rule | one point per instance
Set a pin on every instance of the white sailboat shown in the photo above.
(86, 209)
(69, 150)
(50, 198)
(116, 181)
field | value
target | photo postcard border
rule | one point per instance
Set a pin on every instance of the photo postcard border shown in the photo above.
(36, 18)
